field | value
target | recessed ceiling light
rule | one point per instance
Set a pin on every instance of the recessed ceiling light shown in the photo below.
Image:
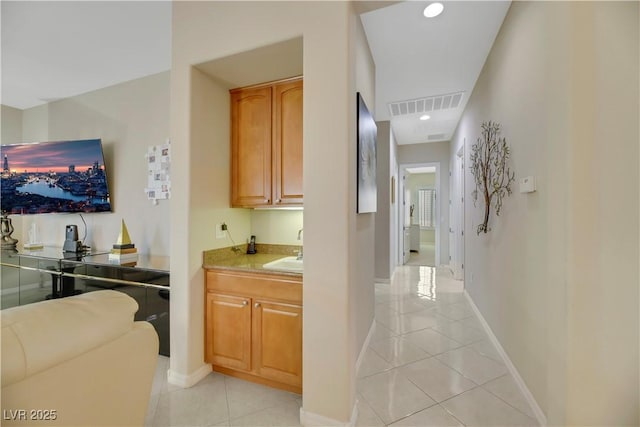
(425, 117)
(433, 10)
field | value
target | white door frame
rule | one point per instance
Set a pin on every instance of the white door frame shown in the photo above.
(402, 170)
(458, 206)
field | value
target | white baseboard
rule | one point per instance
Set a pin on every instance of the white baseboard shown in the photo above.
(309, 419)
(537, 411)
(186, 381)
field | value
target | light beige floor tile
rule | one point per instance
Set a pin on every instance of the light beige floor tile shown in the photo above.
(435, 416)
(398, 351)
(412, 322)
(486, 348)
(457, 311)
(366, 416)
(160, 376)
(436, 379)
(151, 409)
(406, 305)
(245, 397)
(472, 322)
(392, 396)
(284, 415)
(431, 341)
(381, 332)
(478, 407)
(372, 364)
(473, 365)
(201, 405)
(459, 332)
(506, 389)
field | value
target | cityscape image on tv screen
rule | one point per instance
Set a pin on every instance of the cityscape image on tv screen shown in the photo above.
(57, 176)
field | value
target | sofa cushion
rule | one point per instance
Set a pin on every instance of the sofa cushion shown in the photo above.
(38, 336)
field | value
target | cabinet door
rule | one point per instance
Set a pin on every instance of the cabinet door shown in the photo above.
(228, 331)
(251, 147)
(287, 105)
(277, 339)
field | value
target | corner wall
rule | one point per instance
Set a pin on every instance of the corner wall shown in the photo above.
(556, 277)
(205, 31)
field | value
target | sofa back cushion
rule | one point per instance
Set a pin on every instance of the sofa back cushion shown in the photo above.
(38, 336)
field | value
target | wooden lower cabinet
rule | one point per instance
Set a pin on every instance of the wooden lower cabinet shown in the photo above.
(277, 341)
(229, 331)
(253, 327)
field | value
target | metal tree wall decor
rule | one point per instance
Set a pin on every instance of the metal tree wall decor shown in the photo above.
(489, 168)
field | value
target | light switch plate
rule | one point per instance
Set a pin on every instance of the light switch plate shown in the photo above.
(528, 184)
(219, 231)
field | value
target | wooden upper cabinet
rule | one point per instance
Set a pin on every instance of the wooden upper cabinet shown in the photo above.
(251, 147)
(266, 145)
(287, 141)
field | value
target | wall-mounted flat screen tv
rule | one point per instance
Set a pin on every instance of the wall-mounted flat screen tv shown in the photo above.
(55, 176)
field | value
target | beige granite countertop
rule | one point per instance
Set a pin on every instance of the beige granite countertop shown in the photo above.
(227, 259)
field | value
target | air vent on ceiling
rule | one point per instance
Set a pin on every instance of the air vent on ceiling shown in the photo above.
(425, 105)
(435, 136)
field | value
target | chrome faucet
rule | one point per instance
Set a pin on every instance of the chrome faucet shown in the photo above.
(299, 257)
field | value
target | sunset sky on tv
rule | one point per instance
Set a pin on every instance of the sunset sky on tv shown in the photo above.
(53, 156)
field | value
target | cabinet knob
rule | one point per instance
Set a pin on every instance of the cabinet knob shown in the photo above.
(245, 302)
(267, 201)
(278, 200)
(257, 305)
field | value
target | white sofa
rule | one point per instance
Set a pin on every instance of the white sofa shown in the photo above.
(77, 361)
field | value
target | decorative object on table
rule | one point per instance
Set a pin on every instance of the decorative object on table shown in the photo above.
(158, 172)
(8, 242)
(489, 168)
(367, 135)
(124, 251)
(71, 242)
(34, 238)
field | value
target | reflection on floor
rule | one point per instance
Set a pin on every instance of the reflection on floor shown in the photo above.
(429, 363)
(425, 257)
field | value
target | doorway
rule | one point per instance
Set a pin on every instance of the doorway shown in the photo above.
(419, 230)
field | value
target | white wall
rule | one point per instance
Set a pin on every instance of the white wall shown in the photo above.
(204, 31)
(363, 226)
(434, 152)
(11, 124)
(557, 276)
(127, 117)
(277, 227)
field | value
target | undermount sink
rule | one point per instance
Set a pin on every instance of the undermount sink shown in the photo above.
(290, 264)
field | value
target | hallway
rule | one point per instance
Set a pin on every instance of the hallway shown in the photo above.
(430, 363)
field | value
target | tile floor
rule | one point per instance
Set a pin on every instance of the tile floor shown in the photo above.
(425, 257)
(429, 363)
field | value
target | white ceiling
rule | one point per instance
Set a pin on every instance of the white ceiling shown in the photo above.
(417, 57)
(53, 50)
